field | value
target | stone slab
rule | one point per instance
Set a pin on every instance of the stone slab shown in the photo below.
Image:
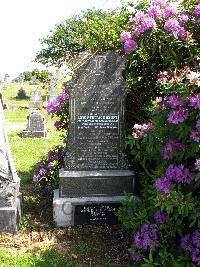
(84, 210)
(26, 134)
(10, 216)
(96, 183)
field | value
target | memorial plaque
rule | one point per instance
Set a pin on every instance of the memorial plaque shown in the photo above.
(96, 213)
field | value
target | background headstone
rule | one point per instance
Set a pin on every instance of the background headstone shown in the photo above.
(96, 166)
(36, 125)
(21, 94)
(35, 99)
(53, 78)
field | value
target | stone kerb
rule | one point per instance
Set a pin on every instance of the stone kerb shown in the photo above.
(96, 164)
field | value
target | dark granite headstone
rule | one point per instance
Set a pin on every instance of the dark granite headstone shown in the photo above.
(35, 99)
(96, 165)
(36, 125)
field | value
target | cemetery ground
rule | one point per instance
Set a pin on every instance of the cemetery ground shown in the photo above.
(38, 242)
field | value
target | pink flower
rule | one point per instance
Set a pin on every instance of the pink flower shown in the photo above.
(155, 12)
(162, 77)
(160, 3)
(195, 101)
(197, 165)
(50, 165)
(130, 45)
(174, 101)
(124, 36)
(169, 12)
(197, 10)
(195, 136)
(178, 116)
(183, 17)
(173, 26)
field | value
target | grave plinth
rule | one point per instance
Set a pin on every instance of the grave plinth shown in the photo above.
(96, 168)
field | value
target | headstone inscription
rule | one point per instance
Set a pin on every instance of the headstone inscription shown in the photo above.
(10, 197)
(35, 99)
(96, 167)
(36, 125)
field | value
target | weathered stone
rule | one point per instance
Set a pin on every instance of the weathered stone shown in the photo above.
(10, 198)
(36, 125)
(35, 100)
(84, 210)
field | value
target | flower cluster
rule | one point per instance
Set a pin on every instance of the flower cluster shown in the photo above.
(195, 101)
(160, 11)
(55, 106)
(136, 258)
(146, 238)
(197, 164)
(160, 217)
(174, 173)
(170, 146)
(46, 171)
(195, 134)
(177, 116)
(142, 129)
(193, 77)
(197, 10)
(191, 243)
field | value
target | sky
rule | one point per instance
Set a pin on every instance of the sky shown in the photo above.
(23, 22)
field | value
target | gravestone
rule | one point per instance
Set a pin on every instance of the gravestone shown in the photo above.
(96, 172)
(36, 125)
(35, 99)
(52, 87)
(21, 94)
(10, 197)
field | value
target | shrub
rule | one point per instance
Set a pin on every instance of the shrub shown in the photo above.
(46, 171)
(165, 220)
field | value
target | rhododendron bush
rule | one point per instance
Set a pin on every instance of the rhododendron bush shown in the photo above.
(165, 219)
(159, 37)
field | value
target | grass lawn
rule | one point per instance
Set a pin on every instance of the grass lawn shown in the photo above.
(33, 259)
(38, 243)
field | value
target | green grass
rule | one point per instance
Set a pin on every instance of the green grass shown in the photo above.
(28, 151)
(30, 259)
(10, 93)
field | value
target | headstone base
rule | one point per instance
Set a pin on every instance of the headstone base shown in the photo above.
(10, 216)
(38, 134)
(96, 183)
(85, 210)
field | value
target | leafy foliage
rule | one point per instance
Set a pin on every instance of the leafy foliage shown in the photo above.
(165, 221)
(92, 31)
